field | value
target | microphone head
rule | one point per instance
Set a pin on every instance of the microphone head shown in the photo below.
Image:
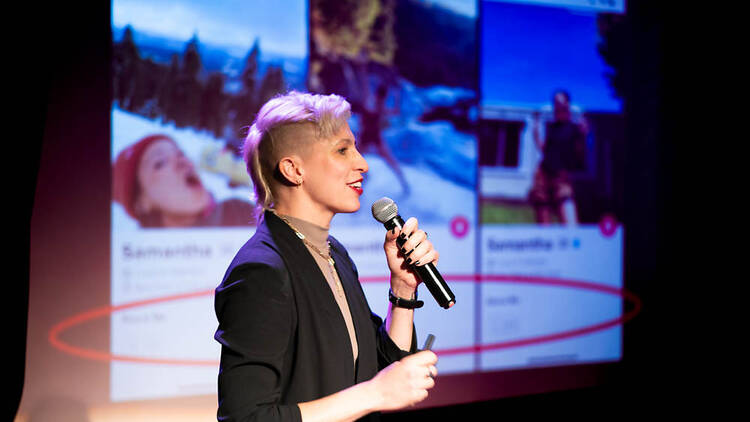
(384, 209)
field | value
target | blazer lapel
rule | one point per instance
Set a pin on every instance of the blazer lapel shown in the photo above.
(300, 262)
(360, 311)
(305, 270)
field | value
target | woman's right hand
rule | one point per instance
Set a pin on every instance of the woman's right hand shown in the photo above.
(405, 383)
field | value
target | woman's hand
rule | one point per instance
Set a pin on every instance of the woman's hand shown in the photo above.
(416, 250)
(405, 382)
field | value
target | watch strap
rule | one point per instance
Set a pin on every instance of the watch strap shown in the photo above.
(400, 302)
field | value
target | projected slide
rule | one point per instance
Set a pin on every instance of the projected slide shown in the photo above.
(187, 77)
(511, 167)
(414, 116)
(551, 244)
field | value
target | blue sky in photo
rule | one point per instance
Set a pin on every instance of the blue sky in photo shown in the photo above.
(463, 7)
(281, 25)
(530, 51)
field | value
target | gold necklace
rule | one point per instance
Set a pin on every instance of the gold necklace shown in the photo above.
(328, 257)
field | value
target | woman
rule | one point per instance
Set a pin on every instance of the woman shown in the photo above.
(299, 341)
(563, 152)
(159, 187)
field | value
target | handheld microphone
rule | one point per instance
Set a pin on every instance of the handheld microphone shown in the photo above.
(385, 211)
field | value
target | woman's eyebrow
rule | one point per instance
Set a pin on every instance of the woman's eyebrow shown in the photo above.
(347, 141)
(155, 154)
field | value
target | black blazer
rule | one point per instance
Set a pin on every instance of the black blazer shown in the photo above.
(284, 340)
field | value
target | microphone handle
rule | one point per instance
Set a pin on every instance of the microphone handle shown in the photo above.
(428, 274)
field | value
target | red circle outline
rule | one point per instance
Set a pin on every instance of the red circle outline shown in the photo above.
(57, 329)
(82, 317)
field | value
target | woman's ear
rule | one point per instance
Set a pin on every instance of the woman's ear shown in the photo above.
(291, 170)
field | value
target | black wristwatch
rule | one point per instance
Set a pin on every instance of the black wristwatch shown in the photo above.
(400, 302)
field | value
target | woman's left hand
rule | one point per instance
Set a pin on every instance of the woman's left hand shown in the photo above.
(417, 250)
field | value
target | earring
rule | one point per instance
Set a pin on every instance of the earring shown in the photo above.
(299, 182)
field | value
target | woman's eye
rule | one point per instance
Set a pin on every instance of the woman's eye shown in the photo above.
(342, 150)
(159, 164)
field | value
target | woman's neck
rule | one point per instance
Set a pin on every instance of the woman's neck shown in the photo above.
(310, 214)
(315, 234)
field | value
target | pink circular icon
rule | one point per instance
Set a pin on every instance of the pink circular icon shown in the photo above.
(459, 226)
(608, 225)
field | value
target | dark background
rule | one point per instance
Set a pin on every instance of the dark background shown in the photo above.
(59, 85)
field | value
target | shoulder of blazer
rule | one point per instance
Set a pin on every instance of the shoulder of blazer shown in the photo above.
(260, 249)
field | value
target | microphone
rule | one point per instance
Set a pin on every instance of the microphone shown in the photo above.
(386, 211)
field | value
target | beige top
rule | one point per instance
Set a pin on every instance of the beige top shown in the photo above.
(318, 236)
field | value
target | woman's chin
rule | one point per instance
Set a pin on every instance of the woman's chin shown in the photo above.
(349, 209)
(203, 200)
(191, 205)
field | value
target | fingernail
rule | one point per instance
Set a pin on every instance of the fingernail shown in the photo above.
(403, 250)
(416, 263)
(408, 260)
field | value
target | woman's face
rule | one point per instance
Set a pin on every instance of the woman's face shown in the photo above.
(169, 183)
(561, 107)
(333, 172)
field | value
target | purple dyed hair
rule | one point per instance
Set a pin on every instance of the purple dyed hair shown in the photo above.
(326, 112)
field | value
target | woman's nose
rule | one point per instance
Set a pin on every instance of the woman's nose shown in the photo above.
(361, 164)
(184, 162)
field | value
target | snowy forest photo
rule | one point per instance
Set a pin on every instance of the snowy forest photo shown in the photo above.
(413, 97)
